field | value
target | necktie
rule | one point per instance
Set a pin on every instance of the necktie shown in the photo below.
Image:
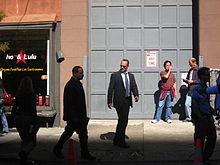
(127, 86)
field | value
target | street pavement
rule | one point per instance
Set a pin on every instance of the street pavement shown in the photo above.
(152, 144)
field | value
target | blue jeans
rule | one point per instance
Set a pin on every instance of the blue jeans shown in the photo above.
(4, 120)
(188, 109)
(168, 101)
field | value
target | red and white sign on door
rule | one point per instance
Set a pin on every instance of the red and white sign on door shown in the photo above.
(151, 58)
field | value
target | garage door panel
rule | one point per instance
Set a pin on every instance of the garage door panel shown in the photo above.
(150, 81)
(169, 37)
(98, 1)
(98, 60)
(98, 16)
(151, 37)
(114, 58)
(133, 37)
(135, 58)
(116, 37)
(116, 15)
(98, 105)
(151, 15)
(149, 105)
(98, 37)
(169, 15)
(133, 15)
(186, 37)
(186, 14)
(98, 81)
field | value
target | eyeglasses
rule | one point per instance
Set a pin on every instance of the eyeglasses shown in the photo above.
(122, 66)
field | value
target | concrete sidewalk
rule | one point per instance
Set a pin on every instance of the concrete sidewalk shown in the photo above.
(156, 144)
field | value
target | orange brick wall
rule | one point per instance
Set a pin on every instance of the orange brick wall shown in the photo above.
(20, 7)
(210, 32)
(74, 39)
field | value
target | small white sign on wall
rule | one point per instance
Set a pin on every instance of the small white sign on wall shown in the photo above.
(151, 58)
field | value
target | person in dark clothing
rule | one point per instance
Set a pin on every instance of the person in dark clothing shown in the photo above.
(192, 80)
(202, 115)
(2, 113)
(122, 85)
(24, 111)
(75, 115)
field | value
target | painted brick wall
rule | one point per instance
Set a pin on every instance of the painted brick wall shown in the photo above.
(210, 32)
(74, 39)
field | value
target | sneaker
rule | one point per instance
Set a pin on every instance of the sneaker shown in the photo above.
(169, 121)
(4, 132)
(154, 121)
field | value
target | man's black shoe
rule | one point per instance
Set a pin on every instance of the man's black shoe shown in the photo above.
(87, 156)
(57, 152)
(122, 145)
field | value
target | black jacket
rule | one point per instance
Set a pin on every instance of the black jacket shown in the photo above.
(74, 102)
(117, 90)
(25, 104)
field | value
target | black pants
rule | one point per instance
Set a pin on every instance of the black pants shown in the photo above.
(27, 133)
(123, 113)
(80, 129)
(205, 130)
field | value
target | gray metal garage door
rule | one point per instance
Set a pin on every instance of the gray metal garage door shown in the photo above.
(147, 32)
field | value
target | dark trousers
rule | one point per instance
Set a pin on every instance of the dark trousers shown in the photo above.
(80, 129)
(27, 133)
(123, 113)
(205, 130)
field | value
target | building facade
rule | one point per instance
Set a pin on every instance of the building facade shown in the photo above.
(97, 34)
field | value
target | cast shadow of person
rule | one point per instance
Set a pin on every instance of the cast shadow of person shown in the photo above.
(157, 98)
(110, 136)
(179, 107)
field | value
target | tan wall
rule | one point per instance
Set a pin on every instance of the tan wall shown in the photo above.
(210, 32)
(74, 39)
(30, 7)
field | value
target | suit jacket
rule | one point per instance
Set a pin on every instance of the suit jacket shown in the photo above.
(74, 102)
(117, 90)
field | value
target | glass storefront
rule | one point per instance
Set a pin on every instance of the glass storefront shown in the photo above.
(28, 55)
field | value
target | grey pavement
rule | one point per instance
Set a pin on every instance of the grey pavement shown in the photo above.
(156, 144)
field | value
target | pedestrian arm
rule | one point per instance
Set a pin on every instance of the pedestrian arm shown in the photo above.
(110, 89)
(134, 89)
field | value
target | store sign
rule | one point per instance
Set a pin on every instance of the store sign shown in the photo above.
(21, 57)
(23, 61)
(151, 58)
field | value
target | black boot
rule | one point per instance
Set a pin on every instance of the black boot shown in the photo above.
(87, 156)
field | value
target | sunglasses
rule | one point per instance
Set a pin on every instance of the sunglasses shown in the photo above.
(122, 66)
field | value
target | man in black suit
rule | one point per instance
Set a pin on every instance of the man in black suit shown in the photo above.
(122, 85)
(75, 115)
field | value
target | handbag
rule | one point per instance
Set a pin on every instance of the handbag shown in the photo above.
(7, 97)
